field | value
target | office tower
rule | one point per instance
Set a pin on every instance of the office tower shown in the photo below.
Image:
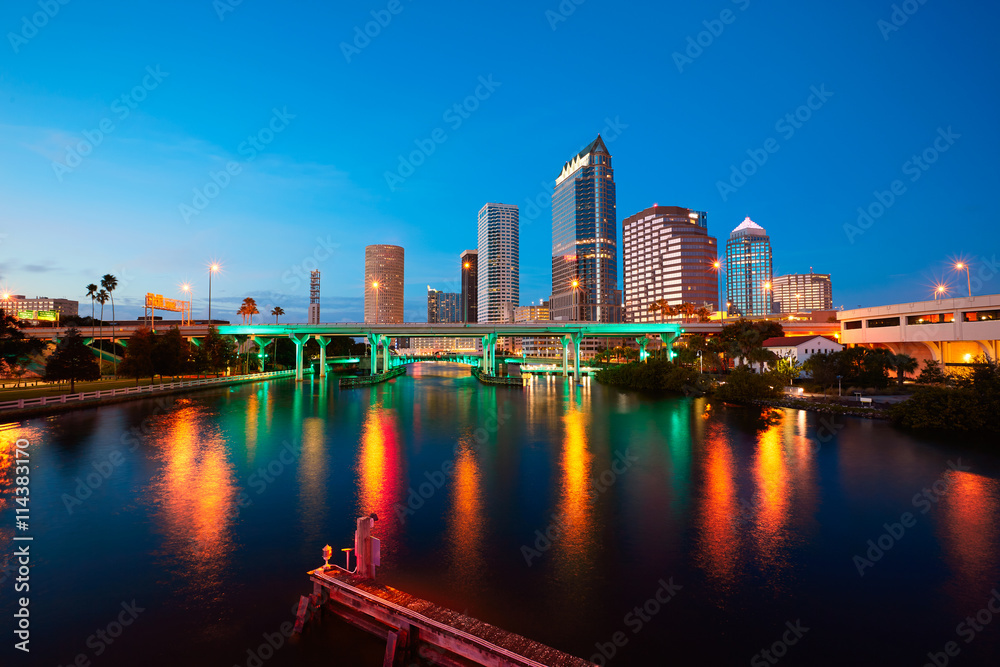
(442, 307)
(314, 297)
(668, 255)
(584, 239)
(470, 285)
(748, 270)
(39, 309)
(499, 262)
(384, 284)
(802, 292)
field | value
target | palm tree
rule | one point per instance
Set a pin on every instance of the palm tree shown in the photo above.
(109, 282)
(248, 308)
(101, 298)
(276, 311)
(903, 363)
(704, 314)
(91, 292)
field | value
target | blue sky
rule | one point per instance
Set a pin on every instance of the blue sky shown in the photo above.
(200, 77)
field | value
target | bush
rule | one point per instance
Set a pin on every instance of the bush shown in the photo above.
(943, 408)
(654, 375)
(743, 386)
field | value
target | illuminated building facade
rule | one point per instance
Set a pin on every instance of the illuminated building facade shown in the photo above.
(802, 292)
(749, 270)
(443, 306)
(470, 285)
(668, 255)
(585, 239)
(384, 267)
(499, 280)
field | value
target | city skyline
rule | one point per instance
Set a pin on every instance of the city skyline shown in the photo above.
(311, 196)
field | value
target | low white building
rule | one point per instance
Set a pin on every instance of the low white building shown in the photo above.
(801, 348)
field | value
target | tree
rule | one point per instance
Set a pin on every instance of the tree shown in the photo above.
(15, 347)
(138, 361)
(903, 364)
(932, 373)
(101, 298)
(171, 354)
(787, 368)
(248, 309)
(72, 360)
(742, 337)
(704, 314)
(276, 311)
(110, 283)
(219, 352)
(743, 385)
(92, 293)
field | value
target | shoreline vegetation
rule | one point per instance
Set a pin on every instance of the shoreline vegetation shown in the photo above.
(967, 400)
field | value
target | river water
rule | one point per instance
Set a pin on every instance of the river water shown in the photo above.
(621, 527)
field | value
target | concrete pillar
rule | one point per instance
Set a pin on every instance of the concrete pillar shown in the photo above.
(565, 342)
(385, 351)
(300, 341)
(486, 353)
(323, 342)
(642, 341)
(576, 357)
(373, 359)
(262, 343)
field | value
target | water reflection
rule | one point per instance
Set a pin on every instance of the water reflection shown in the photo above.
(195, 493)
(575, 513)
(251, 426)
(970, 516)
(720, 512)
(380, 468)
(312, 476)
(466, 520)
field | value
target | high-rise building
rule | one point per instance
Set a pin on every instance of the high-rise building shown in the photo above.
(802, 292)
(749, 270)
(499, 277)
(470, 285)
(668, 256)
(41, 308)
(314, 297)
(442, 306)
(384, 284)
(585, 239)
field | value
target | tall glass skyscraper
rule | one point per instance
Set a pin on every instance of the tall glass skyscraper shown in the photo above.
(749, 280)
(384, 266)
(585, 239)
(499, 263)
(470, 285)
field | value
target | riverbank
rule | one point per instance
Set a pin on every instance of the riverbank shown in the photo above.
(14, 411)
(824, 408)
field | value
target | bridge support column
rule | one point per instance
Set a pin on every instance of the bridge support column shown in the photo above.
(300, 341)
(565, 346)
(385, 351)
(323, 342)
(643, 342)
(373, 340)
(576, 356)
(262, 343)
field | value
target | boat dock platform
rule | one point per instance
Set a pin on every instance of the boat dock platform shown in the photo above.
(414, 628)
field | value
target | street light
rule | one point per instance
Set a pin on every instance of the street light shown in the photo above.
(375, 287)
(187, 290)
(964, 266)
(717, 265)
(576, 312)
(214, 268)
(939, 290)
(798, 306)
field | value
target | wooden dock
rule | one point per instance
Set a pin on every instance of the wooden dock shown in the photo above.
(366, 380)
(414, 628)
(493, 379)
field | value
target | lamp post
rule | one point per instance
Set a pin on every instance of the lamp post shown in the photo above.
(576, 312)
(767, 288)
(798, 306)
(964, 266)
(465, 302)
(187, 290)
(375, 287)
(717, 265)
(939, 290)
(214, 268)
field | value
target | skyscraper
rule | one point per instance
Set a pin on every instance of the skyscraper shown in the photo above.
(384, 284)
(442, 306)
(802, 292)
(748, 270)
(470, 285)
(668, 255)
(499, 277)
(585, 239)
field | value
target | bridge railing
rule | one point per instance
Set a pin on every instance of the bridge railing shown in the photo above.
(145, 389)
